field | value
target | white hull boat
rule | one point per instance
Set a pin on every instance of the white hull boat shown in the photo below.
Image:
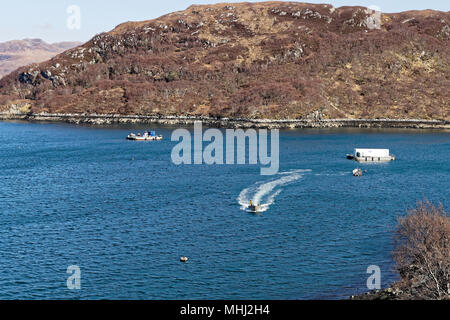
(147, 136)
(371, 155)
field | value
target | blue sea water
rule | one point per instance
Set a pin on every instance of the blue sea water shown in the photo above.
(123, 213)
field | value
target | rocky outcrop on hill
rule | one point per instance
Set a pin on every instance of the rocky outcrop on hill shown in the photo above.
(18, 53)
(270, 60)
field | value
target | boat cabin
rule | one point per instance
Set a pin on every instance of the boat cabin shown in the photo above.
(371, 155)
(362, 153)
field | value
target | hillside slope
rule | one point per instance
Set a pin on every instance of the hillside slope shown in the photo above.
(18, 53)
(257, 60)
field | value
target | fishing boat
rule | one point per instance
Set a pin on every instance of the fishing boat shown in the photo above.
(147, 136)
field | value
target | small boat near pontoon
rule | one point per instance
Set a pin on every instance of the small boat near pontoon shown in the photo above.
(147, 136)
(357, 172)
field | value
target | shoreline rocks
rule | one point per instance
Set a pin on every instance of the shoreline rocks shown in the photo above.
(383, 294)
(97, 119)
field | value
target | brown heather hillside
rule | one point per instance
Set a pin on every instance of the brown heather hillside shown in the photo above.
(19, 53)
(259, 60)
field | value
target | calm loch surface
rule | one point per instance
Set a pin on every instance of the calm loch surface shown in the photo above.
(123, 213)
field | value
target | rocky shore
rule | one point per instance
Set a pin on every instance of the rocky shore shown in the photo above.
(108, 119)
(384, 294)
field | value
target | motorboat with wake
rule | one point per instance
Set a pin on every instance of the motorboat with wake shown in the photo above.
(253, 208)
(147, 136)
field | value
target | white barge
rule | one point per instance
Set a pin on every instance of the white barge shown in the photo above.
(371, 155)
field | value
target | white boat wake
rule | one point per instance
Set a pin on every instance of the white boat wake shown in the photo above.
(264, 193)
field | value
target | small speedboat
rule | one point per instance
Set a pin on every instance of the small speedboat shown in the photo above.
(147, 136)
(253, 208)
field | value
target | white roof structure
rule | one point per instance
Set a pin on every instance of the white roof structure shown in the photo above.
(371, 153)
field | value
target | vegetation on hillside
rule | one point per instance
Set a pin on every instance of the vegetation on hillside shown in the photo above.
(19, 53)
(258, 60)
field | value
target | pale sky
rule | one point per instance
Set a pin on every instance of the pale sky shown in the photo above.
(47, 19)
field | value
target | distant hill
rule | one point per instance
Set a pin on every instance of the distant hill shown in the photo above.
(256, 60)
(19, 53)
